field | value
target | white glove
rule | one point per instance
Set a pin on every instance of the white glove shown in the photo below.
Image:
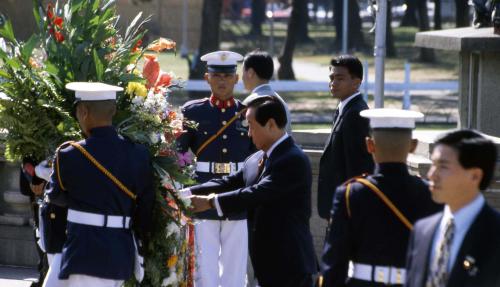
(43, 171)
(185, 192)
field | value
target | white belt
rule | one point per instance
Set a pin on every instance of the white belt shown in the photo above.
(379, 274)
(218, 167)
(100, 220)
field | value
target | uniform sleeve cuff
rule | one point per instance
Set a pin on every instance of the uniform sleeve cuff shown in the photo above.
(217, 205)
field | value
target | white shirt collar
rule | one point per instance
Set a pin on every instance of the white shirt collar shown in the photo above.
(275, 144)
(344, 102)
(258, 87)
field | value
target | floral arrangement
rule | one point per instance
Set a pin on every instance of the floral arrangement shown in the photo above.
(79, 41)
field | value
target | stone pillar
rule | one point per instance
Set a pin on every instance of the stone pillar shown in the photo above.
(479, 73)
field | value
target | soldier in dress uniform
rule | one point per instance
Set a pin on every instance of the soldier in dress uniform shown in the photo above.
(372, 216)
(100, 249)
(220, 144)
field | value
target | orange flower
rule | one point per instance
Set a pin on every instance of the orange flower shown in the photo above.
(34, 64)
(58, 21)
(59, 37)
(137, 46)
(172, 261)
(151, 70)
(161, 44)
(165, 80)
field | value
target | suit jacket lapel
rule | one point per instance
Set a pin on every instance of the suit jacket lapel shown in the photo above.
(426, 239)
(473, 246)
(337, 120)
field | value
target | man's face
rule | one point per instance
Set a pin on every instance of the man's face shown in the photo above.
(449, 181)
(222, 84)
(342, 84)
(259, 134)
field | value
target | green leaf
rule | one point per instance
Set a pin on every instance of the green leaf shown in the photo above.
(27, 48)
(99, 67)
(7, 32)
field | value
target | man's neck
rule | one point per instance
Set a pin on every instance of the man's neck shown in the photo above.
(259, 83)
(274, 138)
(464, 200)
(223, 97)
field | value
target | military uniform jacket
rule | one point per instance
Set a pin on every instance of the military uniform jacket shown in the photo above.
(373, 235)
(279, 199)
(233, 145)
(345, 153)
(480, 246)
(100, 251)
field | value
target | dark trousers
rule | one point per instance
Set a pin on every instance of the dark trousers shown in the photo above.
(304, 280)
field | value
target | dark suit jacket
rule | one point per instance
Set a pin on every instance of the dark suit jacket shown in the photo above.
(279, 205)
(482, 243)
(345, 154)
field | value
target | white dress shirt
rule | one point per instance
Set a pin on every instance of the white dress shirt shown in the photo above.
(344, 102)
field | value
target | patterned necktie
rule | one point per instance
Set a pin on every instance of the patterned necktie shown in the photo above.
(336, 116)
(438, 275)
(262, 164)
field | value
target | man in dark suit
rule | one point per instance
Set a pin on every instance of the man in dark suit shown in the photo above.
(364, 228)
(461, 245)
(99, 249)
(274, 185)
(345, 155)
(258, 69)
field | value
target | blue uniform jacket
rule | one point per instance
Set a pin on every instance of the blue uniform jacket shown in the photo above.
(373, 235)
(279, 206)
(233, 145)
(100, 251)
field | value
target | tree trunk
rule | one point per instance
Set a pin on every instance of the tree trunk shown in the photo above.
(209, 36)
(437, 15)
(303, 33)
(410, 16)
(462, 13)
(355, 36)
(426, 54)
(258, 17)
(389, 40)
(285, 71)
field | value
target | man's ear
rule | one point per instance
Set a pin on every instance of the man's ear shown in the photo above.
(413, 145)
(476, 175)
(205, 77)
(370, 145)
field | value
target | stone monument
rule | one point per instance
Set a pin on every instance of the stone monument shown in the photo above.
(479, 73)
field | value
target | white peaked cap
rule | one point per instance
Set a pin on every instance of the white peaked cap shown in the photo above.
(93, 91)
(221, 59)
(391, 118)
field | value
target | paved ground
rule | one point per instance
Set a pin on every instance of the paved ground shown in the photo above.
(17, 276)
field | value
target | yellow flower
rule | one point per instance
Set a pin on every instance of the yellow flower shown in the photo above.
(172, 261)
(137, 89)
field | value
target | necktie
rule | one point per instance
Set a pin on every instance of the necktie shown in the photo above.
(336, 116)
(438, 275)
(262, 164)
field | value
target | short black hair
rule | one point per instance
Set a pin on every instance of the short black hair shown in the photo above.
(351, 63)
(474, 150)
(269, 107)
(261, 62)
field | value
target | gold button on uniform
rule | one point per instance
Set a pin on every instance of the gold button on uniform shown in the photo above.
(224, 122)
(224, 150)
(224, 136)
(223, 110)
(242, 134)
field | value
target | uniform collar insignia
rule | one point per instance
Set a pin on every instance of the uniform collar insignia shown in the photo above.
(222, 104)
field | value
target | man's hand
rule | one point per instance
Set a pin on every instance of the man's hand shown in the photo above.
(201, 203)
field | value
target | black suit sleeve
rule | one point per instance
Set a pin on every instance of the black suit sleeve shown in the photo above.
(220, 185)
(355, 130)
(285, 174)
(409, 259)
(145, 199)
(335, 258)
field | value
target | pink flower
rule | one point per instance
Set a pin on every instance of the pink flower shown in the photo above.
(184, 159)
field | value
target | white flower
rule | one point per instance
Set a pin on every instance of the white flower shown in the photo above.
(186, 201)
(173, 229)
(3, 45)
(137, 101)
(154, 137)
(171, 280)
